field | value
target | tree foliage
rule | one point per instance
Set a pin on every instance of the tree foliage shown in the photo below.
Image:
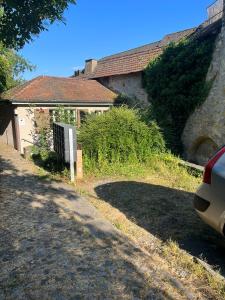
(12, 65)
(20, 20)
(176, 85)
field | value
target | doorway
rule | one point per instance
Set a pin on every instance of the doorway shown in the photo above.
(16, 133)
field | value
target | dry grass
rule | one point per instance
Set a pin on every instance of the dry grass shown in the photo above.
(155, 210)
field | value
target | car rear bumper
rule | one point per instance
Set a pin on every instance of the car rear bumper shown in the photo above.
(200, 204)
(210, 207)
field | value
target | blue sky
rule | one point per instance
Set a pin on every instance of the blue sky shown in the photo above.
(97, 28)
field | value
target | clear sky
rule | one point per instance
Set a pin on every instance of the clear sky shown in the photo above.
(97, 28)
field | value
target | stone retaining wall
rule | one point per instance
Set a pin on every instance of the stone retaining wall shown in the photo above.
(205, 130)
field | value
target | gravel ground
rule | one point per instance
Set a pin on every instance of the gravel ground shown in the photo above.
(55, 245)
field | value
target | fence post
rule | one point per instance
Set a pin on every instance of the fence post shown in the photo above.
(72, 177)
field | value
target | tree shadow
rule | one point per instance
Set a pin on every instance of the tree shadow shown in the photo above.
(167, 214)
(53, 245)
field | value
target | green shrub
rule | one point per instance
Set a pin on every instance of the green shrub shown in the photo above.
(176, 85)
(131, 102)
(119, 136)
(48, 160)
(42, 154)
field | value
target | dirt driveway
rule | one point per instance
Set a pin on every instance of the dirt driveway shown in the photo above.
(54, 245)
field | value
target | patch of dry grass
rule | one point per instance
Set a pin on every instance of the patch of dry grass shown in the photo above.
(154, 209)
(178, 258)
(179, 262)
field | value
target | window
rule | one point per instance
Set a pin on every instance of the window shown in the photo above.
(41, 119)
(98, 112)
(81, 116)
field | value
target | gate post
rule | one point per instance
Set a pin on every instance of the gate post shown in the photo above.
(79, 163)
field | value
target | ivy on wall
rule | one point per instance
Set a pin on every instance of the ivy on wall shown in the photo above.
(176, 85)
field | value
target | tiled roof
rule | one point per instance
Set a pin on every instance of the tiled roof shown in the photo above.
(137, 59)
(56, 89)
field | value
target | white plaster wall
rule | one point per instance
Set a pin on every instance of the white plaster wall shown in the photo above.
(26, 121)
(26, 126)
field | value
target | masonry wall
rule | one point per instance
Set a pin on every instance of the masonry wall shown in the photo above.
(6, 124)
(128, 84)
(205, 130)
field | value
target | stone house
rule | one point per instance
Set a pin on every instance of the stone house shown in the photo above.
(123, 72)
(22, 108)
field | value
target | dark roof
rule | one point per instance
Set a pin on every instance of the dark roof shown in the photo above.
(135, 60)
(55, 89)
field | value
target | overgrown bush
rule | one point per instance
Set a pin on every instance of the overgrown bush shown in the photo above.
(119, 136)
(131, 102)
(42, 154)
(176, 85)
(48, 161)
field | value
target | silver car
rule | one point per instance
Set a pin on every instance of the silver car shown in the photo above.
(209, 200)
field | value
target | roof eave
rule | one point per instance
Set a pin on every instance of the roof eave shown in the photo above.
(118, 74)
(66, 103)
(4, 101)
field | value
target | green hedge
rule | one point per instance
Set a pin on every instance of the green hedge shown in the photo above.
(119, 135)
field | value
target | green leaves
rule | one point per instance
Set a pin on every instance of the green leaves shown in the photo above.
(119, 136)
(21, 20)
(176, 85)
(64, 115)
(11, 66)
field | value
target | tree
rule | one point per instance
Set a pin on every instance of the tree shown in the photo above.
(11, 66)
(20, 20)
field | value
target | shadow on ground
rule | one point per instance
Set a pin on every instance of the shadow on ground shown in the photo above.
(168, 214)
(50, 251)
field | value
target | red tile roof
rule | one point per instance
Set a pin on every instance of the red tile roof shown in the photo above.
(137, 59)
(56, 89)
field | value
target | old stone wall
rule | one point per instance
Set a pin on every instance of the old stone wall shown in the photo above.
(205, 130)
(128, 84)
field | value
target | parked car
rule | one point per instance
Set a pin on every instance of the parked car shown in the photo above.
(209, 200)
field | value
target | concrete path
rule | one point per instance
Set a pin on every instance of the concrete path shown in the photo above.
(55, 245)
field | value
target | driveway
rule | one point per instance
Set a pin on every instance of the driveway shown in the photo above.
(55, 245)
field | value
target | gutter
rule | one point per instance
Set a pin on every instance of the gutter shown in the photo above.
(47, 103)
(3, 101)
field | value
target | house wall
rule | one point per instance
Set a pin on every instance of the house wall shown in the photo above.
(26, 118)
(128, 84)
(6, 124)
(204, 132)
(26, 126)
